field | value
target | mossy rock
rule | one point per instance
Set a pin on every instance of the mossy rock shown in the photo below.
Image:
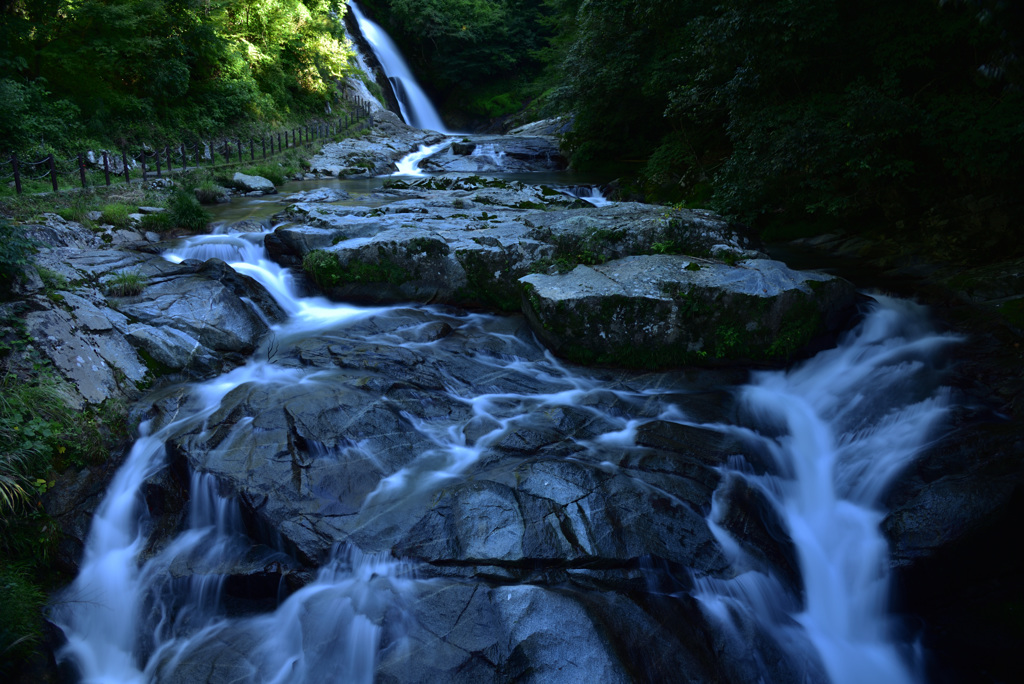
(654, 311)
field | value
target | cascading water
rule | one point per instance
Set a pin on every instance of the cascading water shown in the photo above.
(417, 109)
(836, 430)
(490, 151)
(409, 164)
(588, 193)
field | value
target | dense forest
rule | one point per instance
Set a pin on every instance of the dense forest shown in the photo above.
(137, 70)
(788, 114)
(781, 113)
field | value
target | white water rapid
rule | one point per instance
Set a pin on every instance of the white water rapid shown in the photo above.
(409, 165)
(588, 193)
(835, 430)
(417, 109)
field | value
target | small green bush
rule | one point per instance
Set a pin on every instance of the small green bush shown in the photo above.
(208, 192)
(51, 279)
(272, 172)
(77, 210)
(16, 249)
(186, 212)
(20, 612)
(322, 267)
(157, 223)
(117, 215)
(126, 284)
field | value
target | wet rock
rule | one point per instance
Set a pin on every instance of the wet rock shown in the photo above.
(660, 310)
(259, 184)
(502, 154)
(388, 141)
(317, 195)
(569, 513)
(214, 195)
(223, 310)
(960, 487)
(173, 348)
(94, 357)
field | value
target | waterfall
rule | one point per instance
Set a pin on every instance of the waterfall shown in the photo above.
(417, 109)
(837, 429)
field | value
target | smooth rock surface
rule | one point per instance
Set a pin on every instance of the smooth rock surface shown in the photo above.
(659, 310)
(259, 184)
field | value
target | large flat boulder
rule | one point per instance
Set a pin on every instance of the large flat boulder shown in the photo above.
(658, 310)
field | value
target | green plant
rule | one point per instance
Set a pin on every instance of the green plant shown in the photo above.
(208, 192)
(32, 414)
(156, 223)
(20, 621)
(186, 212)
(117, 215)
(51, 279)
(77, 209)
(125, 284)
(16, 249)
(272, 172)
(322, 267)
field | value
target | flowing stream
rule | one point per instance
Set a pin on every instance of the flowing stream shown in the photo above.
(417, 109)
(830, 435)
(836, 429)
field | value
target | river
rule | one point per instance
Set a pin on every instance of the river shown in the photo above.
(823, 440)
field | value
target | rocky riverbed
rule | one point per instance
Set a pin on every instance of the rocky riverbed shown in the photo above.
(497, 513)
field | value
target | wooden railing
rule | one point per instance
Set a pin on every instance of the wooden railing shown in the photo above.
(183, 156)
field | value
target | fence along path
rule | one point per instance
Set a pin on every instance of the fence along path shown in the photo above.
(180, 154)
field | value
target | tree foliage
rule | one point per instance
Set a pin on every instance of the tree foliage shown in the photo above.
(796, 107)
(101, 67)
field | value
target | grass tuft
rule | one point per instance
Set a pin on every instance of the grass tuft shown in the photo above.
(126, 284)
(186, 212)
(117, 215)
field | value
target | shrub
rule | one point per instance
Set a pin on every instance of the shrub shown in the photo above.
(16, 249)
(272, 172)
(19, 614)
(117, 215)
(157, 223)
(51, 279)
(323, 267)
(126, 284)
(76, 210)
(208, 192)
(186, 212)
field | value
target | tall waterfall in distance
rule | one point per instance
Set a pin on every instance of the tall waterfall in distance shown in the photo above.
(417, 109)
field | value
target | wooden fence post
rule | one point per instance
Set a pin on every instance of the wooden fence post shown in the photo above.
(124, 160)
(53, 173)
(106, 168)
(17, 172)
(81, 168)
